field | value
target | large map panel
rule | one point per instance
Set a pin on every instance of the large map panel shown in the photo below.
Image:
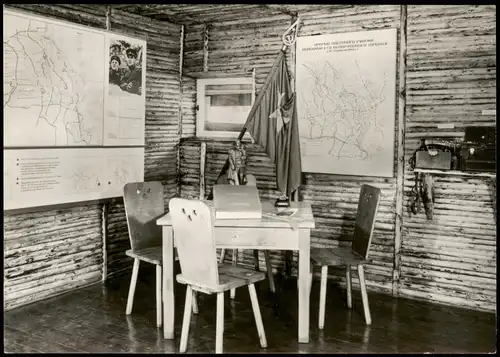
(41, 177)
(53, 82)
(346, 87)
(66, 136)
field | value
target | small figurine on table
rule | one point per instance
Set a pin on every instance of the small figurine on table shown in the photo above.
(236, 174)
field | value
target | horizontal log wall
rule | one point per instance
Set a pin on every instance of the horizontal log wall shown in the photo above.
(450, 76)
(51, 251)
(334, 198)
(451, 79)
(163, 105)
(237, 47)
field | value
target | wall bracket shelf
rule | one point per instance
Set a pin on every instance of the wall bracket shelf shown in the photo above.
(214, 74)
(456, 173)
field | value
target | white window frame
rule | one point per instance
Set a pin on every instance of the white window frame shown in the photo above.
(201, 105)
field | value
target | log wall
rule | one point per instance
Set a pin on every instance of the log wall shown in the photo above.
(446, 74)
(238, 47)
(51, 251)
(164, 103)
(334, 198)
(451, 79)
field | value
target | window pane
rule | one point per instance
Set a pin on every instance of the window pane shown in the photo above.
(225, 87)
(232, 100)
(227, 112)
(217, 89)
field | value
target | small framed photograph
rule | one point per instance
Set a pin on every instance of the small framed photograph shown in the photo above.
(223, 106)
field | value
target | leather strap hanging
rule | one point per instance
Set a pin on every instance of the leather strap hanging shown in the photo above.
(415, 201)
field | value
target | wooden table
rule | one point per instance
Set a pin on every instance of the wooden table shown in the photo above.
(270, 232)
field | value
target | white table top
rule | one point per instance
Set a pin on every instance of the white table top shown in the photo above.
(303, 217)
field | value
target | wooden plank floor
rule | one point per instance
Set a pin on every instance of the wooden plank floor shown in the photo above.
(93, 320)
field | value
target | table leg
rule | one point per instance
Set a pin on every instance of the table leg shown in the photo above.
(303, 277)
(168, 283)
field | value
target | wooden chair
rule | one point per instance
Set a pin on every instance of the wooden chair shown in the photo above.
(193, 222)
(354, 256)
(143, 206)
(251, 181)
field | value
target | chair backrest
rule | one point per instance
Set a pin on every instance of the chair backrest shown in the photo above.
(144, 204)
(193, 225)
(369, 198)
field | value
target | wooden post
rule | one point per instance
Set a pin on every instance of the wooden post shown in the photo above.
(105, 205)
(396, 270)
(179, 123)
(203, 146)
(104, 240)
(203, 152)
(205, 48)
(493, 181)
(108, 17)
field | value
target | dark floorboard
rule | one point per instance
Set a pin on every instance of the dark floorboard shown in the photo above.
(93, 320)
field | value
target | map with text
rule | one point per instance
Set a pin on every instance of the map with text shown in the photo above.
(53, 84)
(346, 102)
(340, 112)
(57, 123)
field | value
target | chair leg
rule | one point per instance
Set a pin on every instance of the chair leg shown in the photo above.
(222, 255)
(364, 295)
(322, 297)
(195, 303)
(349, 286)
(187, 319)
(158, 296)
(235, 261)
(133, 283)
(269, 268)
(258, 317)
(288, 263)
(219, 328)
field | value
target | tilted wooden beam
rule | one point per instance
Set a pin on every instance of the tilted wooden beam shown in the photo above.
(279, 8)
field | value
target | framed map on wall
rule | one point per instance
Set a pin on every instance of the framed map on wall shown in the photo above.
(346, 90)
(74, 111)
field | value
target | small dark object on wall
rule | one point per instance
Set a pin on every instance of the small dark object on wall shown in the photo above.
(433, 159)
(477, 158)
(442, 155)
(434, 156)
(478, 151)
(480, 135)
